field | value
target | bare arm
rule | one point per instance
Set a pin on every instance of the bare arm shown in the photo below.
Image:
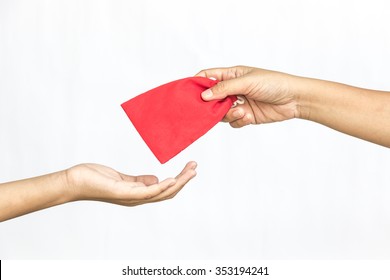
(358, 112)
(87, 182)
(24, 196)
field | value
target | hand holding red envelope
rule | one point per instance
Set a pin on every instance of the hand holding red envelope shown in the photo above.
(171, 117)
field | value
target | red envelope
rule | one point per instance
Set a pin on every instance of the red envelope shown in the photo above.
(172, 116)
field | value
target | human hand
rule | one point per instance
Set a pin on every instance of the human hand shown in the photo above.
(97, 182)
(87, 181)
(269, 96)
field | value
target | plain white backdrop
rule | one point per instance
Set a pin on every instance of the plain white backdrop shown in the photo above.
(290, 190)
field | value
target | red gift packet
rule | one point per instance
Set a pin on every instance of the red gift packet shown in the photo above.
(172, 116)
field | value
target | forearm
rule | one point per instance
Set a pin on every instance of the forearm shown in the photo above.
(358, 112)
(29, 195)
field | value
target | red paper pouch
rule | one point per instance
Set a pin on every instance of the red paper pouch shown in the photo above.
(172, 116)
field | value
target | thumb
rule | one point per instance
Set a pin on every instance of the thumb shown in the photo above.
(224, 89)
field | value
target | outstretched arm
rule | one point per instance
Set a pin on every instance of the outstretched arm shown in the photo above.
(87, 182)
(359, 112)
(273, 96)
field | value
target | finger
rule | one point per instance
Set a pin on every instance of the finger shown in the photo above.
(239, 111)
(234, 114)
(224, 73)
(245, 120)
(190, 165)
(130, 191)
(217, 73)
(161, 191)
(145, 179)
(170, 192)
(225, 88)
(182, 180)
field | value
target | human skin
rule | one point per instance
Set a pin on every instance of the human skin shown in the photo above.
(272, 96)
(87, 182)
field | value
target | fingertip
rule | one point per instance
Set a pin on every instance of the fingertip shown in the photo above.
(153, 179)
(193, 165)
(193, 173)
(207, 94)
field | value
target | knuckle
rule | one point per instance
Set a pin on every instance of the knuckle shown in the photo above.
(219, 88)
(204, 73)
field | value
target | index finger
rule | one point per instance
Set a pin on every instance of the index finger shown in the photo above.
(223, 73)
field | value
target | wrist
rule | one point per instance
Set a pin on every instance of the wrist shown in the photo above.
(305, 91)
(71, 184)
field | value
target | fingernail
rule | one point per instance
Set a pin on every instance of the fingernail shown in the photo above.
(237, 114)
(207, 94)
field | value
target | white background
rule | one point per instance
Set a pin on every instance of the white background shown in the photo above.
(291, 190)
